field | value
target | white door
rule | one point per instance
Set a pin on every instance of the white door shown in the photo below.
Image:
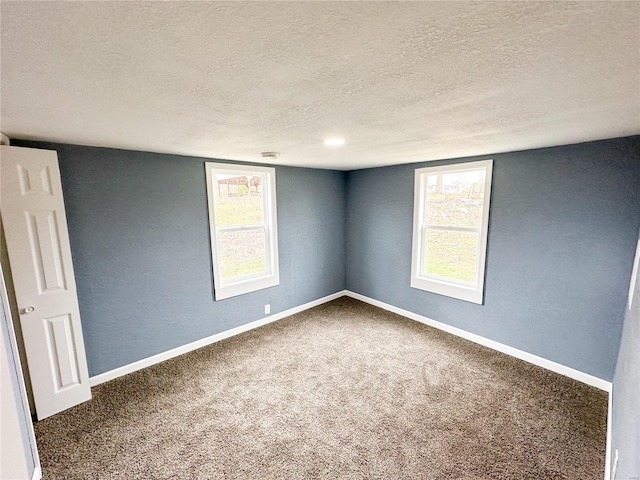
(35, 227)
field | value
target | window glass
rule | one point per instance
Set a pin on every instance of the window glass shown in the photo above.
(239, 199)
(450, 254)
(454, 199)
(242, 253)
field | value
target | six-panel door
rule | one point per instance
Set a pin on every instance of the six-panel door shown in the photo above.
(35, 225)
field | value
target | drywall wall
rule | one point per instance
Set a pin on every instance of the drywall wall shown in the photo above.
(625, 433)
(139, 232)
(562, 234)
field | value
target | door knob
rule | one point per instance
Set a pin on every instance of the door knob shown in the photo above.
(29, 309)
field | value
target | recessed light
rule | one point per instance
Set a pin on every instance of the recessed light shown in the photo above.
(334, 142)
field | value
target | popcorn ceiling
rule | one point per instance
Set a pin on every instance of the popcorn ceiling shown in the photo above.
(400, 81)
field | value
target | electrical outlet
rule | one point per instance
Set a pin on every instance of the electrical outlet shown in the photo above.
(267, 309)
(615, 465)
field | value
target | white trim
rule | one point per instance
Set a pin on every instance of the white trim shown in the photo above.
(161, 357)
(13, 346)
(468, 291)
(37, 473)
(500, 347)
(607, 461)
(634, 274)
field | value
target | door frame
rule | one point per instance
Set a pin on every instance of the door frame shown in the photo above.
(12, 347)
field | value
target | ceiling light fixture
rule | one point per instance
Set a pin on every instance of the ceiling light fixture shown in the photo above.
(270, 155)
(334, 142)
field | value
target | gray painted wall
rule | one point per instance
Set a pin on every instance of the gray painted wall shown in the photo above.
(562, 234)
(625, 434)
(139, 231)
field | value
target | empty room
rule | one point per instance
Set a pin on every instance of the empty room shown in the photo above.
(320, 240)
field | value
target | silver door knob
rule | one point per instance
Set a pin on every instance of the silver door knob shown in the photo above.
(29, 309)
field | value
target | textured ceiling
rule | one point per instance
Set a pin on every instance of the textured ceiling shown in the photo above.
(400, 81)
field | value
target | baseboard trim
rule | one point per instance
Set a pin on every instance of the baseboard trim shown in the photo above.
(161, 357)
(607, 459)
(37, 473)
(500, 347)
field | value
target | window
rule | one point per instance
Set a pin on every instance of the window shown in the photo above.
(450, 220)
(244, 236)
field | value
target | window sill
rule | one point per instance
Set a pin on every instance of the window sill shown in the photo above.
(460, 292)
(246, 286)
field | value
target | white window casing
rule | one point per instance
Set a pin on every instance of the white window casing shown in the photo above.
(468, 290)
(241, 284)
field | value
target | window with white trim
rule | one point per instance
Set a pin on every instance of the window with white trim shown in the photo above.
(450, 224)
(244, 228)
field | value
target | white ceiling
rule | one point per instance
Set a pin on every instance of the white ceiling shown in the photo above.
(400, 81)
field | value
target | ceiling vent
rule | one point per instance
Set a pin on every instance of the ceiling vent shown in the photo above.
(270, 155)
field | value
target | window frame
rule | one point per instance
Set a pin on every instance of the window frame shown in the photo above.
(256, 281)
(467, 291)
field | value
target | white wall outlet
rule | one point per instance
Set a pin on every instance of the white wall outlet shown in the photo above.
(615, 465)
(267, 309)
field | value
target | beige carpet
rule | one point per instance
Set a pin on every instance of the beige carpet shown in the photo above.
(344, 390)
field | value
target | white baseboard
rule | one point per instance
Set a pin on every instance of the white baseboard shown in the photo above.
(161, 357)
(514, 352)
(500, 347)
(607, 461)
(37, 473)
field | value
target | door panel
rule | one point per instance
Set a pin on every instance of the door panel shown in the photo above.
(38, 245)
(44, 241)
(62, 353)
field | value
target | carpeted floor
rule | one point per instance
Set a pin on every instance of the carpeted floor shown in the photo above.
(344, 390)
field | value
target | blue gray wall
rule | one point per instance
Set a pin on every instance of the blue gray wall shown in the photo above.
(562, 233)
(139, 231)
(625, 434)
(563, 228)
